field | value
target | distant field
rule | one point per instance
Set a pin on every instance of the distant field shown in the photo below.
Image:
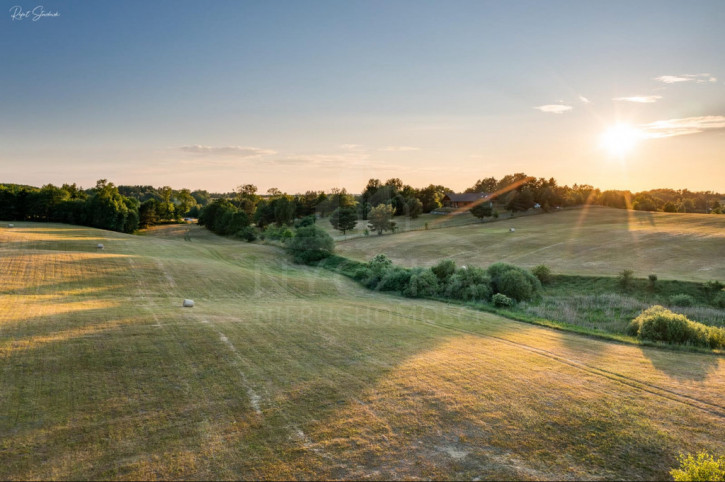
(588, 241)
(282, 371)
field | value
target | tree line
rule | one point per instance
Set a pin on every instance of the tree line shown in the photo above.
(127, 208)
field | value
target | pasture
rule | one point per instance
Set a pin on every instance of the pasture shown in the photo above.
(288, 372)
(592, 240)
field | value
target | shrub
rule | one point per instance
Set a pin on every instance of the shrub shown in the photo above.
(543, 273)
(501, 300)
(422, 283)
(394, 279)
(515, 285)
(625, 278)
(311, 244)
(470, 284)
(702, 467)
(247, 233)
(719, 300)
(306, 221)
(514, 282)
(652, 281)
(682, 300)
(444, 270)
(380, 263)
(657, 323)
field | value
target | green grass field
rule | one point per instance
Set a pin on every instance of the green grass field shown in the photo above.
(588, 241)
(282, 371)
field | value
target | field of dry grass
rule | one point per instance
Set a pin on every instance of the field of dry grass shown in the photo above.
(588, 241)
(282, 371)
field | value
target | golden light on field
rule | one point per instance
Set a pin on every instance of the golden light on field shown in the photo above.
(620, 140)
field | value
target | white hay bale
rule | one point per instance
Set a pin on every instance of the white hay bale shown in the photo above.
(11, 225)
(188, 304)
(512, 230)
(99, 246)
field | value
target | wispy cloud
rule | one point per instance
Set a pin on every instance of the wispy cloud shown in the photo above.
(399, 148)
(697, 78)
(352, 147)
(584, 99)
(642, 99)
(681, 127)
(232, 151)
(554, 108)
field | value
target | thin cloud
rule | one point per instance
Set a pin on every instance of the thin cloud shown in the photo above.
(681, 127)
(235, 151)
(584, 99)
(554, 108)
(399, 148)
(352, 147)
(642, 99)
(697, 78)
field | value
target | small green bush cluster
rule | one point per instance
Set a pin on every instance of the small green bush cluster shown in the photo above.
(702, 467)
(682, 300)
(277, 233)
(516, 283)
(543, 273)
(448, 281)
(501, 300)
(657, 323)
(310, 244)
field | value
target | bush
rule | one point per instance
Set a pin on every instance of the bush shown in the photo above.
(247, 233)
(543, 273)
(682, 300)
(625, 278)
(515, 285)
(719, 300)
(470, 284)
(311, 244)
(422, 283)
(702, 467)
(652, 281)
(444, 270)
(394, 279)
(514, 282)
(306, 221)
(501, 300)
(657, 323)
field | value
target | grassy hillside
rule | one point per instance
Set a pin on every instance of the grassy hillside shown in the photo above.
(588, 241)
(281, 371)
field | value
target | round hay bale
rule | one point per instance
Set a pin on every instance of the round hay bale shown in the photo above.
(188, 304)
(512, 230)
(99, 246)
(11, 225)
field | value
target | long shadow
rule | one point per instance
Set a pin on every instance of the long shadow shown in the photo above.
(685, 366)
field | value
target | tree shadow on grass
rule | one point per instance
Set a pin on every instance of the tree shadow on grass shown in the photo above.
(682, 365)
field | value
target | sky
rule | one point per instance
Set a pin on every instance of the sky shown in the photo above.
(310, 95)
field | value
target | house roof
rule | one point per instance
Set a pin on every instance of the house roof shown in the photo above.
(466, 196)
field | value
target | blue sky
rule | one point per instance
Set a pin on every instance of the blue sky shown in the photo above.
(315, 94)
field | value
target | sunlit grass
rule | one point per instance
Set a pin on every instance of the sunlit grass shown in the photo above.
(589, 241)
(282, 371)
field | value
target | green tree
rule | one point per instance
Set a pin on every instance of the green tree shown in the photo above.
(344, 219)
(311, 244)
(482, 210)
(380, 218)
(413, 208)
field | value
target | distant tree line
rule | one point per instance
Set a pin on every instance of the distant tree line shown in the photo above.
(126, 208)
(100, 207)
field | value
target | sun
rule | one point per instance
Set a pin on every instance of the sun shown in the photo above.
(620, 139)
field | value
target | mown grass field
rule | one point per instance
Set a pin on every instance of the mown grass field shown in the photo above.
(282, 371)
(592, 240)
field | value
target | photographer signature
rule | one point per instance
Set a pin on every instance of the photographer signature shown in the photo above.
(17, 13)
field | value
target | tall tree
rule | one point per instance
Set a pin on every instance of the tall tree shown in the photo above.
(344, 219)
(380, 218)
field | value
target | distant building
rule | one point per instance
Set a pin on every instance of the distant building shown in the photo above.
(462, 200)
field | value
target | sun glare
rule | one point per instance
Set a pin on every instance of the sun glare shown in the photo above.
(619, 140)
